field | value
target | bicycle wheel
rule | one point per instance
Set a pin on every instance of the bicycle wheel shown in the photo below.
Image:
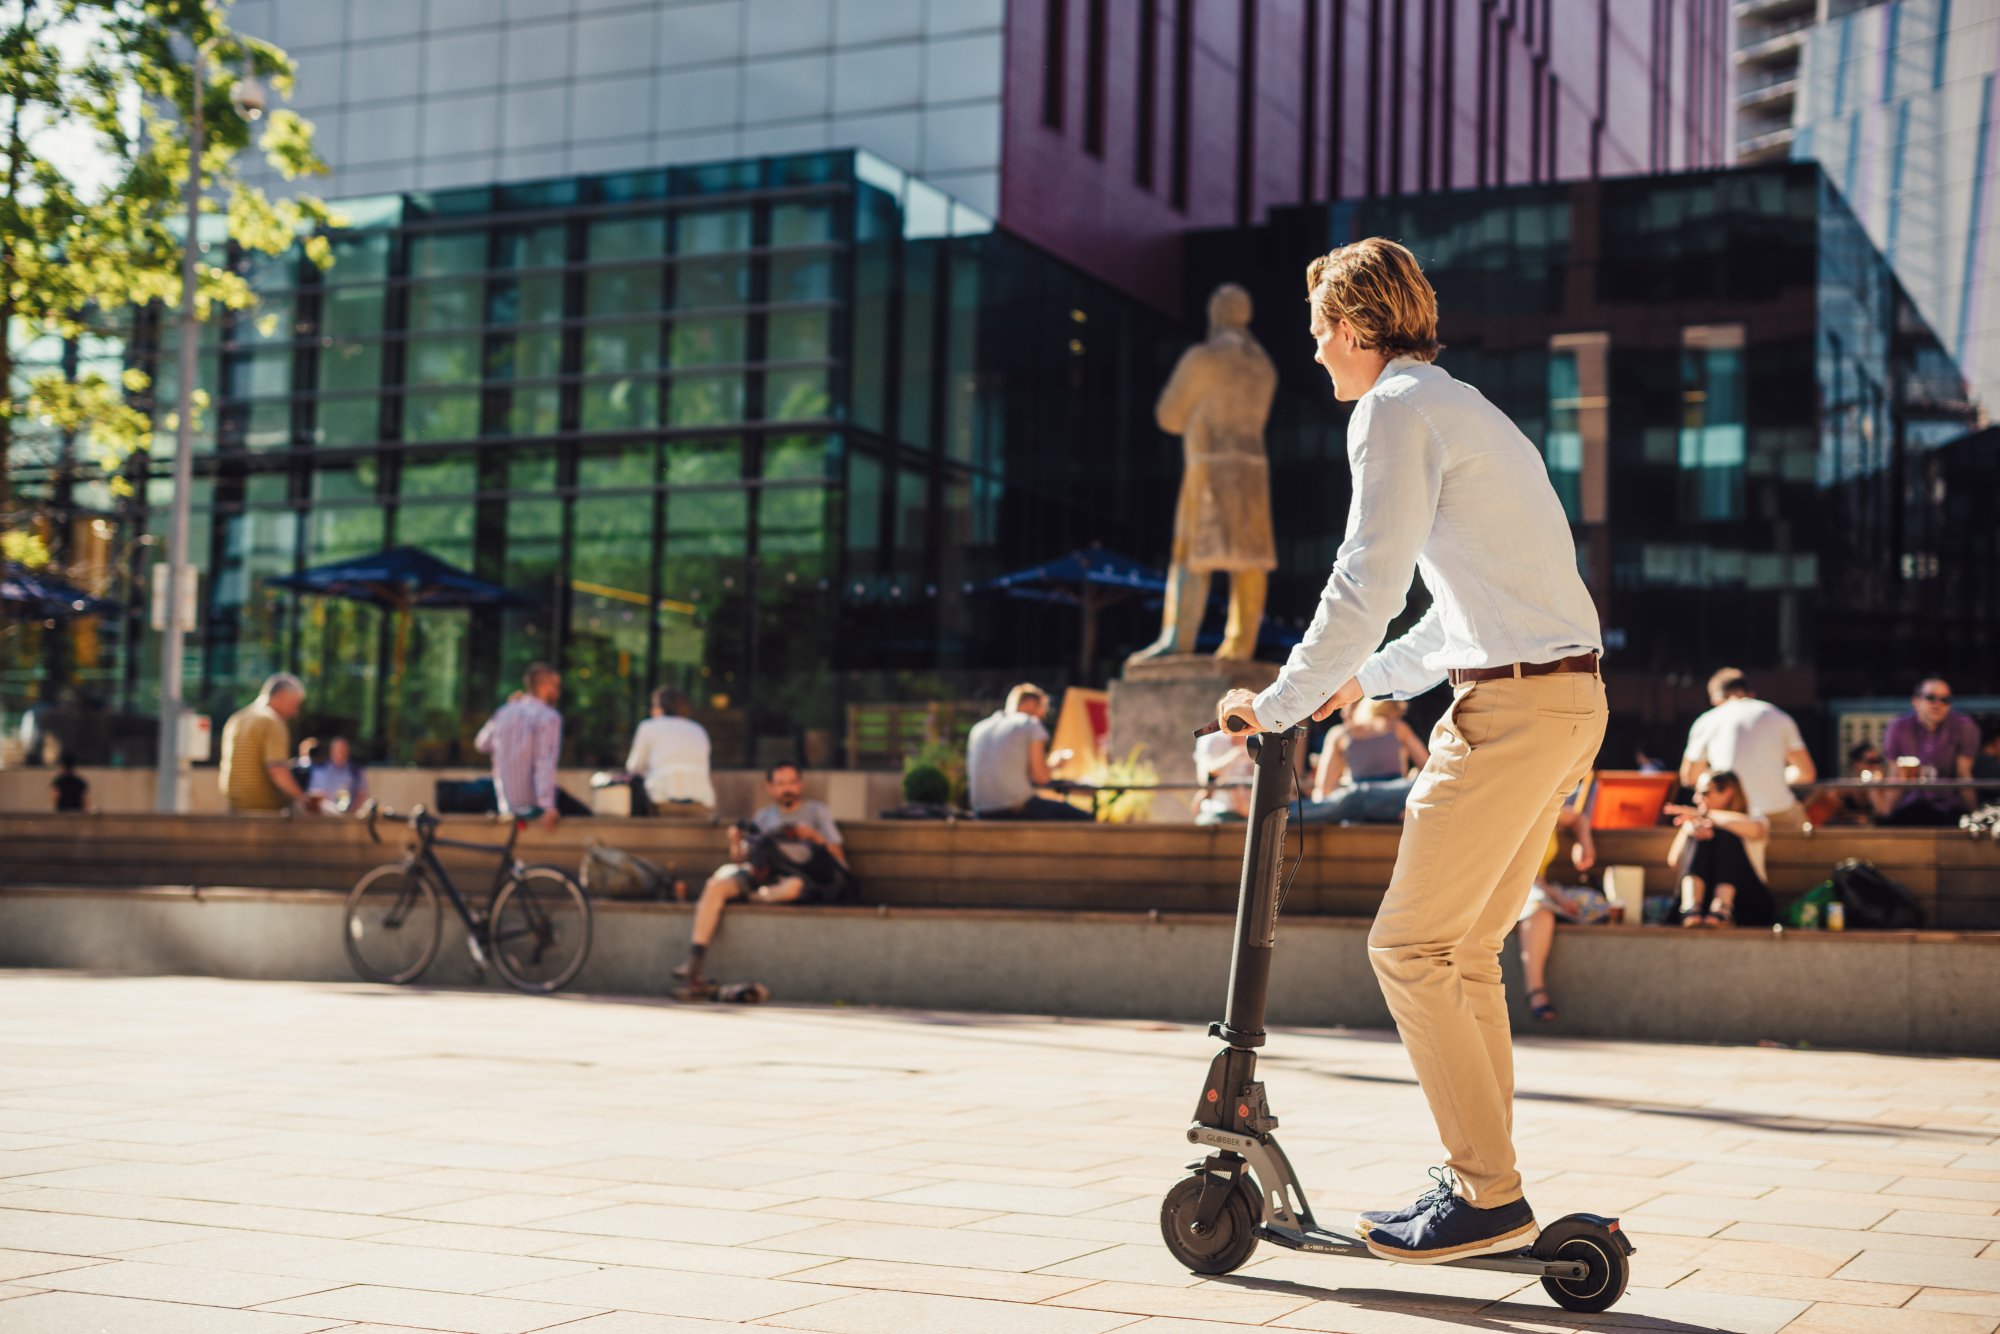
(391, 932)
(539, 929)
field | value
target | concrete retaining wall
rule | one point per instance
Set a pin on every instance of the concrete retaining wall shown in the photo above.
(1900, 991)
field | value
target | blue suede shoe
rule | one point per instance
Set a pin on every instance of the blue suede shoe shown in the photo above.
(1451, 1229)
(1446, 1186)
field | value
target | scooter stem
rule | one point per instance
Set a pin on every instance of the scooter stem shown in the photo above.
(1257, 903)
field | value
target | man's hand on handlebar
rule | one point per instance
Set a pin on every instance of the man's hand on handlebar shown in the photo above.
(1237, 705)
(1346, 695)
(1234, 712)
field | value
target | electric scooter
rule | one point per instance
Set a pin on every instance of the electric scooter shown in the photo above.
(1245, 1190)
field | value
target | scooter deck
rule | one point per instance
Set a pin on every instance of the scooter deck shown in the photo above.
(1513, 1262)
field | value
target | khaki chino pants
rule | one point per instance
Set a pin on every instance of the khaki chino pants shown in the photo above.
(1478, 821)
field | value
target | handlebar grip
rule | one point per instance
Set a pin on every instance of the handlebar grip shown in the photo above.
(1236, 726)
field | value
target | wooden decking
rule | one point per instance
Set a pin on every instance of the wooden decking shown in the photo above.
(1097, 868)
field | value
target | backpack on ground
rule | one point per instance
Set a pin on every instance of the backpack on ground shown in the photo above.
(1874, 901)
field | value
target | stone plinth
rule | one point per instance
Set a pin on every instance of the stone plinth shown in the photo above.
(1158, 703)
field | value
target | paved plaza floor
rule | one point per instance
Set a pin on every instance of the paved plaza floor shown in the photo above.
(216, 1157)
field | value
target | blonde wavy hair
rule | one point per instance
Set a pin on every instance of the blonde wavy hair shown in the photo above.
(1377, 286)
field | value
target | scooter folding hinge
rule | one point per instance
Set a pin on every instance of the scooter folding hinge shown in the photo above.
(1253, 1111)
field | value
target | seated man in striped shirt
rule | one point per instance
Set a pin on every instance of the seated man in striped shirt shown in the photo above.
(524, 737)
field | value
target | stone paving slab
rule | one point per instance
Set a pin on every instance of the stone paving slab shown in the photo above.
(181, 1154)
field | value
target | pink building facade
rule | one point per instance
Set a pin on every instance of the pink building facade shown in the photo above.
(1127, 122)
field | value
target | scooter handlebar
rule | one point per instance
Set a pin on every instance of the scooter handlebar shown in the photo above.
(1236, 725)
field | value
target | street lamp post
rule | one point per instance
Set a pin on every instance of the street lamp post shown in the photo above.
(171, 791)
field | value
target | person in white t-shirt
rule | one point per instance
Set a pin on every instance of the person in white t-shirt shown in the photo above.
(1756, 741)
(1223, 758)
(670, 754)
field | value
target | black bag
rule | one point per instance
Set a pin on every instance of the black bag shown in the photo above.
(827, 881)
(466, 796)
(1873, 901)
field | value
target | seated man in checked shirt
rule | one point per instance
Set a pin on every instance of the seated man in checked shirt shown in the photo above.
(524, 737)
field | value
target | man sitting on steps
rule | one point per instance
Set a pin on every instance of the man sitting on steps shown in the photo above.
(788, 852)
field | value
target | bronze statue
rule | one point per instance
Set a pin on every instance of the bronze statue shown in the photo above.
(1217, 402)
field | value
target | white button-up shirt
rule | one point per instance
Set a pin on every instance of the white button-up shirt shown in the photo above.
(1445, 485)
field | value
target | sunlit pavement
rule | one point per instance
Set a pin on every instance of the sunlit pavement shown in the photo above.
(181, 1154)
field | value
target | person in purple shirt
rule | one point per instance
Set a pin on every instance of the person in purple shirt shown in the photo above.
(1941, 740)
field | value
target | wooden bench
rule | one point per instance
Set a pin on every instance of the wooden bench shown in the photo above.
(1342, 871)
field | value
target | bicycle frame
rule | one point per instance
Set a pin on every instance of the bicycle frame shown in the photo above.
(424, 858)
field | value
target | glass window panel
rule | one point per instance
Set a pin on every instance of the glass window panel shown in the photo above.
(435, 254)
(351, 310)
(528, 356)
(276, 312)
(447, 305)
(798, 335)
(621, 347)
(532, 555)
(531, 470)
(703, 462)
(623, 292)
(701, 610)
(708, 230)
(624, 468)
(705, 400)
(534, 412)
(796, 395)
(801, 224)
(711, 282)
(535, 300)
(347, 421)
(533, 247)
(709, 342)
(267, 488)
(791, 522)
(793, 456)
(627, 238)
(167, 377)
(621, 404)
(440, 417)
(353, 481)
(338, 637)
(1712, 444)
(247, 616)
(350, 366)
(919, 341)
(359, 257)
(257, 374)
(912, 508)
(605, 667)
(864, 514)
(268, 425)
(443, 361)
(443, 475)
(801, 277)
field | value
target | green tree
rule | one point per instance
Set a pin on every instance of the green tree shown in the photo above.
(95, 100)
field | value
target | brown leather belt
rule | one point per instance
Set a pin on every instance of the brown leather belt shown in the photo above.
(1582, 662)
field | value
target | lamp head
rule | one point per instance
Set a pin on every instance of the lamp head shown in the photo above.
(250, 96)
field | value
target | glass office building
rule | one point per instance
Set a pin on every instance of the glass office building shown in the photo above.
(1731, 390)
(764, 430)
(759, 429)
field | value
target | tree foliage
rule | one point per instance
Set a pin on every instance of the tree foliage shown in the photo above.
(96, 98)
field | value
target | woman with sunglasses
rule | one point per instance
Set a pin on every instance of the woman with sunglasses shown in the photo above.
(1721, 845)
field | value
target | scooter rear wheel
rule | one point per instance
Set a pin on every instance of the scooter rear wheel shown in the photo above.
(1225, 1244)
(1604, 1258)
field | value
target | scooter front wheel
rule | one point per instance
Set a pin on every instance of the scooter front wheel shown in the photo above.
(1221, 1247)
(1602, 1257)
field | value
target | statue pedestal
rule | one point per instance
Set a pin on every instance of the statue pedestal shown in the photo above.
(1157, 704)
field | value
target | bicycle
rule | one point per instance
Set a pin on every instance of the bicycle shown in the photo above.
(536, 927)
